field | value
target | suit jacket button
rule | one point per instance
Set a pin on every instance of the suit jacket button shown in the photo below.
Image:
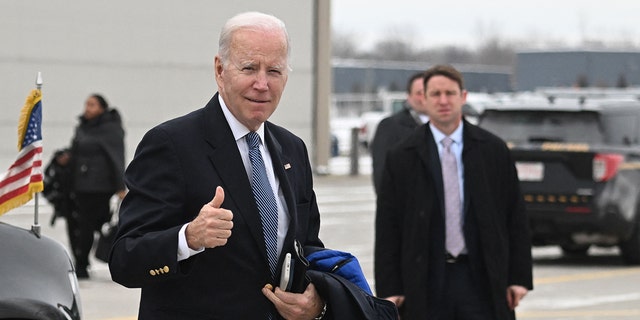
(152, 272)
(165, 269)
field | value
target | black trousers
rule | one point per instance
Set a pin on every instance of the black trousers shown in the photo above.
(93, 212)
(464, 298)
(73, 231)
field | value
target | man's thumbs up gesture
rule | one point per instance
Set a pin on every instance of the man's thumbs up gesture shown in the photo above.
(212, 227)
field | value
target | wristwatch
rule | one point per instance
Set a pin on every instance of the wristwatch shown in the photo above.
(322, 313)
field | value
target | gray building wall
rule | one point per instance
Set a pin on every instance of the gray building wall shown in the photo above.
(152, 59)
(563, 68)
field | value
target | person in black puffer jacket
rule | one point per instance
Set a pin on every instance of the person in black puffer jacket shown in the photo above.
(97, 159)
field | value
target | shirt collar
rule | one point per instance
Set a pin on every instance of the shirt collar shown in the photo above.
(456, 136)
(237, 128)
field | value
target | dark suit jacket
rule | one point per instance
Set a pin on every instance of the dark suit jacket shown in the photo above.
(410, 245)
(390, 131)
(175, 171)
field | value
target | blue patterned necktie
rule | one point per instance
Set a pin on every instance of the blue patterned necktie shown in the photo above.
(265, 199)
(452, 200)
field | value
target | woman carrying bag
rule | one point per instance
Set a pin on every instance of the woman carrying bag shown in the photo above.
(97, 159)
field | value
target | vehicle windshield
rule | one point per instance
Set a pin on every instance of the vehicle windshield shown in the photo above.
(519, 126)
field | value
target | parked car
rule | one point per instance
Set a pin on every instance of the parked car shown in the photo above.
(37, 277)
(369, 125)
(578, 161)
(390, 103)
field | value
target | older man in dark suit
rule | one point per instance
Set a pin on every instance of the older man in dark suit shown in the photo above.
(452, 239)
(218, 196)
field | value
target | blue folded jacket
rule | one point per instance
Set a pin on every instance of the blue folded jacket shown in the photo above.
(337, 262)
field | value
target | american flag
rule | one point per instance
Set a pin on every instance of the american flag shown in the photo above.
(24, 177)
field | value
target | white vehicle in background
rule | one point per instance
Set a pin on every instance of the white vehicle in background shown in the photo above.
(390, 102)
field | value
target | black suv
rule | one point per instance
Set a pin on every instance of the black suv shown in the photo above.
(578, 162)
(37, 278)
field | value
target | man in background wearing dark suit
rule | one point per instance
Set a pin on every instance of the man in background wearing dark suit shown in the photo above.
(192, 233)
(452, 239)
(398, 126)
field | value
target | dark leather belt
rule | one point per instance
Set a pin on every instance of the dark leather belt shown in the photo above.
(460, 258)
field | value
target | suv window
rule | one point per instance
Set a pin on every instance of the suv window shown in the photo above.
(622, 127)
(544, 126)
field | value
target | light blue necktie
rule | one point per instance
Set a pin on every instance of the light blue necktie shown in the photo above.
(265, 199)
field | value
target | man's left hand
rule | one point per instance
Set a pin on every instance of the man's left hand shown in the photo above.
(294, 306)
(514, 295)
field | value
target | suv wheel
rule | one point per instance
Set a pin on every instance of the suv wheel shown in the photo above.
(630, 248)
(573, 249)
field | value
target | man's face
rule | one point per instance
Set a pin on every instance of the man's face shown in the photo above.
(444, 100)
(415, 98)
(252, 81)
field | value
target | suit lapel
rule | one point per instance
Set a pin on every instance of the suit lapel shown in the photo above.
(226, 160)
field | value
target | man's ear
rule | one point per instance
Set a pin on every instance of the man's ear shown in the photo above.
(217, 65)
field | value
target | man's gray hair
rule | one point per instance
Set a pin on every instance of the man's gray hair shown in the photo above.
(249, 20)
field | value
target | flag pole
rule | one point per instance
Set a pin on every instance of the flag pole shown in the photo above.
(35, 228)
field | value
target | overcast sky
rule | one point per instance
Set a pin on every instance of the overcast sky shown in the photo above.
(464, 22)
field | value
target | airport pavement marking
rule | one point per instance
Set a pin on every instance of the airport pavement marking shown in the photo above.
(587, 276)
(579, 314)
(582, 313)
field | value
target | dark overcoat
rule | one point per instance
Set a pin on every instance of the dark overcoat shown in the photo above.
(97, 154)
(410, 245)
(390, 131)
